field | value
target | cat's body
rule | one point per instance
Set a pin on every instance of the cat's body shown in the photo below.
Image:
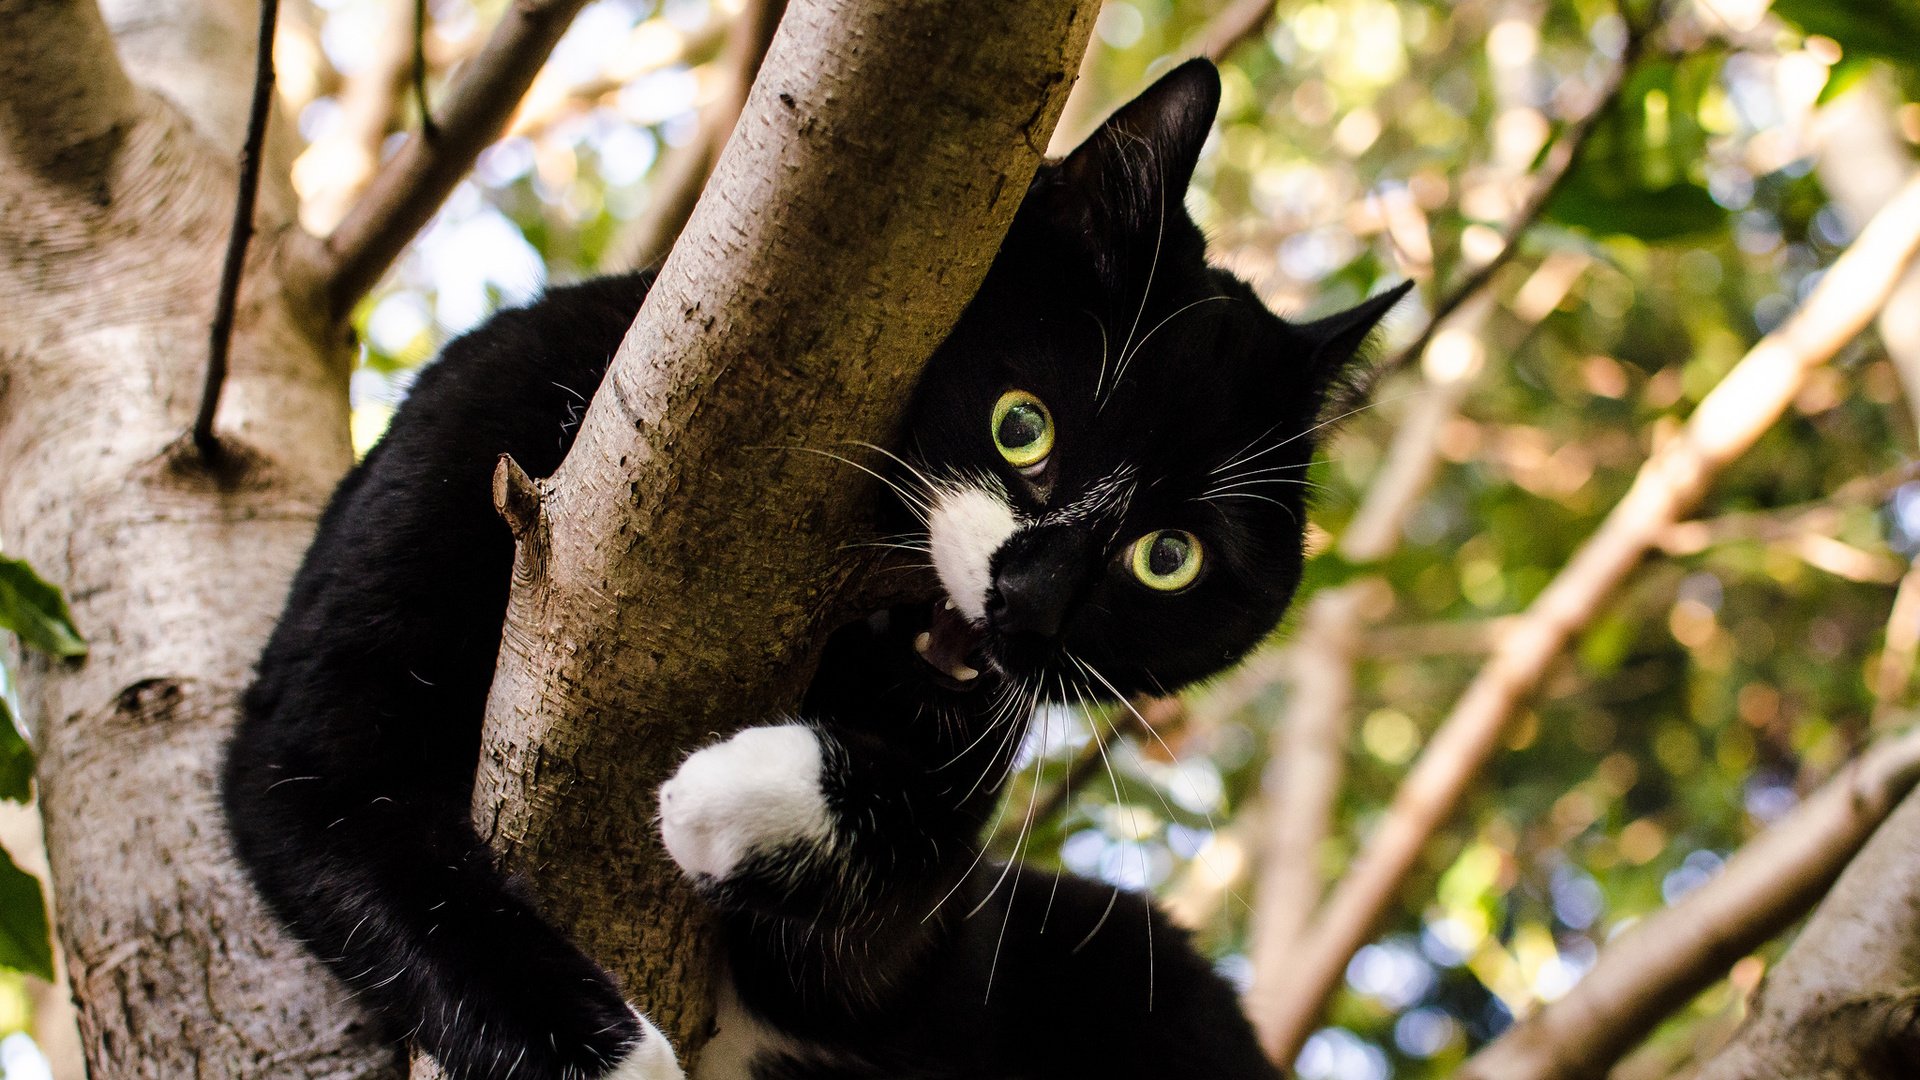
(1105, 459)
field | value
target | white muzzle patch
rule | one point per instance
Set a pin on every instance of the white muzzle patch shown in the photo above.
(968, 524)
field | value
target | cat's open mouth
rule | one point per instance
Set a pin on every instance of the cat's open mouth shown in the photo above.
(950, 645)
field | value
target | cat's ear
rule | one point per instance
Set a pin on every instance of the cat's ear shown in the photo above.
(1126, 183)
(1337, 383)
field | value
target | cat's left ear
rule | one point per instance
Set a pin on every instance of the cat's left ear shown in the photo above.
(1333, 343)
(1127, 183)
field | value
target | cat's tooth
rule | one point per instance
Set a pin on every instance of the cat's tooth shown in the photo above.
(964, 673)
(922, 643)
(947, 604)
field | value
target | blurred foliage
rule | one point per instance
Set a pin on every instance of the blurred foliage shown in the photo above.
(1361, 142)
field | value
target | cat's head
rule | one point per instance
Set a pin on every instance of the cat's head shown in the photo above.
(1110, 450)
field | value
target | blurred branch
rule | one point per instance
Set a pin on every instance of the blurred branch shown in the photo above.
(1665, 959)
(1302, 786)
(1235, 25)
(684, 173)
(1556, 165)
(656, 44)
(408, 189)
(65, 98)
(332, 172)
(1727, 422)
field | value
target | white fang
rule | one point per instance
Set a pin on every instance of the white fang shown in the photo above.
(967, 526)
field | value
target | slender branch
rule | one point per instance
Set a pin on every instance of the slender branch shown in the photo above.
(220, 333)
(656, 44)
(683, 175)
(1235, 25)
(332, 173)
(1667, 958)
(65, 97)
(1728, 421)
(428, 130)
(1302, 786)
(405, 193)
(1556, 166)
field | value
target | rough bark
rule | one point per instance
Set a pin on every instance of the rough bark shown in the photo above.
(115, 202)
(683, 563)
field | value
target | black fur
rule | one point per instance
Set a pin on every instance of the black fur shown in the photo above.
(348, 783)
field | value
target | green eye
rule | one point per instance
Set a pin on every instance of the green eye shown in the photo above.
(1167, 560)
(1022, 429)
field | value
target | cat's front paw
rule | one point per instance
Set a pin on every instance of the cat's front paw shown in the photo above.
(754, 799)
(651, 1058)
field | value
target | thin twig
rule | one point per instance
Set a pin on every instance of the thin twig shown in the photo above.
(406, 191)
(427, 129)
(1235, 25)
(1556, 167)
(220, 333)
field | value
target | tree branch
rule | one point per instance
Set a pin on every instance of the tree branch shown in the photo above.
(65, 101)
(1235, 25)
(872, 175)
(1668, 957)
(1302, 786)
(405, 192)
(332, 173)
(220, 331)
(682, 176)
(1727, 422)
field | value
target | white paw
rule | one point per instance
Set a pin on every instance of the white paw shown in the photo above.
(651, 1060)
(755, 792)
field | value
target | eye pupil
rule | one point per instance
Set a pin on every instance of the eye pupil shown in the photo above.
(1169, 554)
(1022, 426)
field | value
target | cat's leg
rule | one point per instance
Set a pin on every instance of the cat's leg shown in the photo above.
(381, 875)
(807, 821)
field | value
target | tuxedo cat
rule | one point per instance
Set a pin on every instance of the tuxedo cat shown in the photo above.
(1103, 463)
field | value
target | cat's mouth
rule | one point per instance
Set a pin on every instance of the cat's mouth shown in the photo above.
(951, 647)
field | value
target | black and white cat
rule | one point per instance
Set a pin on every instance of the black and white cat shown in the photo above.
(1104, 463)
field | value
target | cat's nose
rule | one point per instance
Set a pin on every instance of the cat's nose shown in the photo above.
(1023, 603)
(1035, 584)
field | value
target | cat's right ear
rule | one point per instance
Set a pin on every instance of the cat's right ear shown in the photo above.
(1124, 186)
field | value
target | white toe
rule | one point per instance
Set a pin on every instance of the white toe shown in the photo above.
(757, 791)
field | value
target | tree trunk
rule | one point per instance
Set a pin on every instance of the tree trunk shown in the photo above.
(676, 575)
(115, 200)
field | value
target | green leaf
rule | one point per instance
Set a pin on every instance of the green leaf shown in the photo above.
(1888, 29)
(24, 942)
(16, 759)
(1653, 215)
(36, 611)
